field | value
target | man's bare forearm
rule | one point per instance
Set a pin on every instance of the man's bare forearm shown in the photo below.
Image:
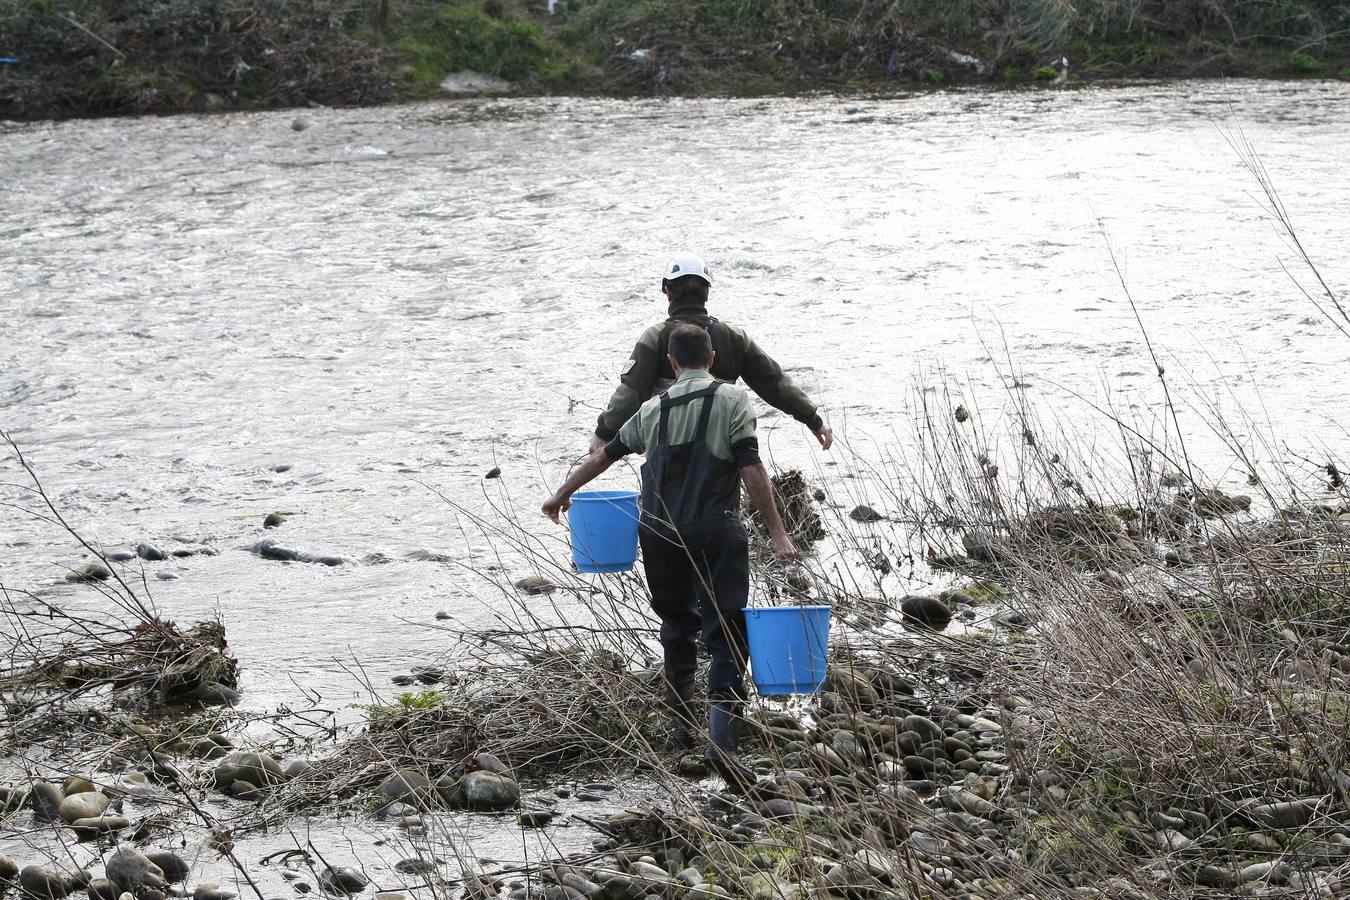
(595, 465)
(760, 489)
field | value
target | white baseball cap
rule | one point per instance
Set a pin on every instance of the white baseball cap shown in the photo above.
(687, 264)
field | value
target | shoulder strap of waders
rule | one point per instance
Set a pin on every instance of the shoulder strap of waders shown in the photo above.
(668, 403)
(705, 414)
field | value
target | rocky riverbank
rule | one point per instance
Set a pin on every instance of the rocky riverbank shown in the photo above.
(93, 57)
(1137, 699)
(1153, 706)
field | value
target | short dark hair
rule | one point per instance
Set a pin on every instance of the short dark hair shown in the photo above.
(687, 290)
(691, 346)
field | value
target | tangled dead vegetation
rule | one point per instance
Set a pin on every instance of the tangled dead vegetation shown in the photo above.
(797, 507)
(558, 710)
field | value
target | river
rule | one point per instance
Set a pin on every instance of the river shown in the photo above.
(204, 319)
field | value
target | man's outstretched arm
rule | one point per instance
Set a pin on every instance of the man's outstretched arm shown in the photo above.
(775, 387)
(760, 489)
(594, 466)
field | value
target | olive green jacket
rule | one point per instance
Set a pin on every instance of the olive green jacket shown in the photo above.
(737, 357)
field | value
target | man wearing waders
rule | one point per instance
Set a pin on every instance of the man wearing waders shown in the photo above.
(699, 441)
(647, 371)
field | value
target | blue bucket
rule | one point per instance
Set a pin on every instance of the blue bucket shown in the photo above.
(788, 648)
(604, 528)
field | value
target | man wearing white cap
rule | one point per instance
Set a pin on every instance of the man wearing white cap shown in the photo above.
(685, 283)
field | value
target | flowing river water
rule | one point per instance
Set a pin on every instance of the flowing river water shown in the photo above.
(207, 319)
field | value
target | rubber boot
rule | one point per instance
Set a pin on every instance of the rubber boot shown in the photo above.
(721, 754)
(684, 718)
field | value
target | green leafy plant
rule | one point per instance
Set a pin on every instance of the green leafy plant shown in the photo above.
(1305, 64)
(406, 702)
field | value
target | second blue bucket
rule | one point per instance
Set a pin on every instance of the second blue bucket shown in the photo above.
(788, 647)
(604, 527)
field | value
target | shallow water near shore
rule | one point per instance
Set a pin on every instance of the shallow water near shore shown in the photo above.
(207, 319)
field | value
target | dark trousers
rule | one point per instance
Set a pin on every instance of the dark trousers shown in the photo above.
(700, 581)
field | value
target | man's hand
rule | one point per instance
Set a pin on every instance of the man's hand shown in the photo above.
(594, 466)
(783, 548)
(824, 434)
(597, 442)
(557, 505)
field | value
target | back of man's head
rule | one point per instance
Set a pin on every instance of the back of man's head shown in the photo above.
(690, 347)
(691, 290)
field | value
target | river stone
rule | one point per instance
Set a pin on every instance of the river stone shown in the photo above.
(42, 883)
(851, 685)
(95, 826)
(211, 693)
(208, 891)
(258, 769)
(865, 513)
(451, 789)
(102, 889)
(925, 612)
(131, 870)
(783, 808)
(134, 784)
(489, 790)
(9, 870)
(273, 520)
(926, 844)
(174, 867)
(927, 729)
(247, 790)
(1270, 872)
(296, 767)
(342, 880)
(409, 786)
(84, 805)
(151, 553)
(1171, 840)
(94, 571)
(959, 800)
(875, 863)
(1215, 877)
(270, 549)
(910, 742)
(489, 763)
(1289, 816)
(45, 798)
(649, 871)
(920, 766)
(535, 584)
(535, 818)
(583, 886)
(415, 865)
